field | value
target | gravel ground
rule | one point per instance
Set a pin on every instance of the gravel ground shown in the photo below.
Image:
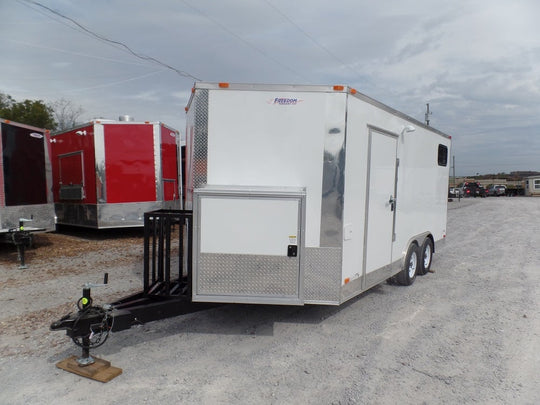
(467, 333)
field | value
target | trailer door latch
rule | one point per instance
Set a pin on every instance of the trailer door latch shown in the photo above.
(392, 203)
(292, 250)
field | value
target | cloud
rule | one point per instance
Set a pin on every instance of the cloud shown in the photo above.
(476, 63)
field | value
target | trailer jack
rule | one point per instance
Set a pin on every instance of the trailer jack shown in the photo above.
(21, 238)
(89, 328)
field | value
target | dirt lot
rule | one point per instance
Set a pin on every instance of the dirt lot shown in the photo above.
(467, 333)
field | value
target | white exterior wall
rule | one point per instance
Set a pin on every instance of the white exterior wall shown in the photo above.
(531, 184)
(421, 185)
(422, 189)
(356, 160)
(256, 142)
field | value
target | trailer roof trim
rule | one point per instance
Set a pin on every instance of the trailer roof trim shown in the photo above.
(31, 127)
(308, 88)
(107, 122)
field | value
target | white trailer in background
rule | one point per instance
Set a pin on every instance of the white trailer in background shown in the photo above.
(308, 194)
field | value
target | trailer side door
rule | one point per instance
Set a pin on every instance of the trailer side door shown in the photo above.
(381, 190)
(248, 245)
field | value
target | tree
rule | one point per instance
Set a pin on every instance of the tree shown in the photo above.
(35, 113)
(66, 114)
(58, 115)
(29, 112)
(6, 102)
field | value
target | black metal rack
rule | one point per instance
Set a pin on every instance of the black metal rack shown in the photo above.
(159, 278)
(167, 278)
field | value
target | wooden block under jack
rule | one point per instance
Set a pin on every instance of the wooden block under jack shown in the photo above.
(101, 370)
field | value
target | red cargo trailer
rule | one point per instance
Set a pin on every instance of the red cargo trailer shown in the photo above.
(107, 174)
(25, 178)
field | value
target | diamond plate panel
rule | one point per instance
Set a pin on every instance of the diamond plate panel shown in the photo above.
(322, 275)
(200, 138)
(42, 214)
(247, 275)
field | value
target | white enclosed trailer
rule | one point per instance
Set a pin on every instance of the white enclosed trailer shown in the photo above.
(308, 194)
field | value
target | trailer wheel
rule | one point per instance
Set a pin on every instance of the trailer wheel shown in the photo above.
(426, 256)
(407, 275)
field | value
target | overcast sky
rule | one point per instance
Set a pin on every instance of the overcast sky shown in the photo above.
(477, 63)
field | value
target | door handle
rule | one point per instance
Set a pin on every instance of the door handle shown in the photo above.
(392, 202)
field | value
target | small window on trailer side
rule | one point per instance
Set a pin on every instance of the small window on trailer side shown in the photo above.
(442, 157)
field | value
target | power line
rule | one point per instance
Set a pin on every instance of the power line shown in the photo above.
(116, 43)
(99, 86)
(49, 48)
(306, 34)
(246, 42)
(311, 38)
(64, 23)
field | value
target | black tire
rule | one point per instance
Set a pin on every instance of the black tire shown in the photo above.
(407, 275)
(426, 257)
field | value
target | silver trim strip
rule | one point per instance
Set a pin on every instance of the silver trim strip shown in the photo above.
(101, 216)
(21, 125)
(333, 181)
(99, 151)
(158, 174)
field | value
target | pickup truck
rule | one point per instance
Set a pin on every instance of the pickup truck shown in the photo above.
(472, 189)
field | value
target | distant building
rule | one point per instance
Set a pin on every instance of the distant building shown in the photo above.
(492, 181)
(532, 185)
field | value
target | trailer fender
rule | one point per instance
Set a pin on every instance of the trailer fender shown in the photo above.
(418, 240)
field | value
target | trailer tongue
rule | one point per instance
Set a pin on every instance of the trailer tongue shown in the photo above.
(166, 293)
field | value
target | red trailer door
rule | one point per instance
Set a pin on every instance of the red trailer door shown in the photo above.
(130, 168)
